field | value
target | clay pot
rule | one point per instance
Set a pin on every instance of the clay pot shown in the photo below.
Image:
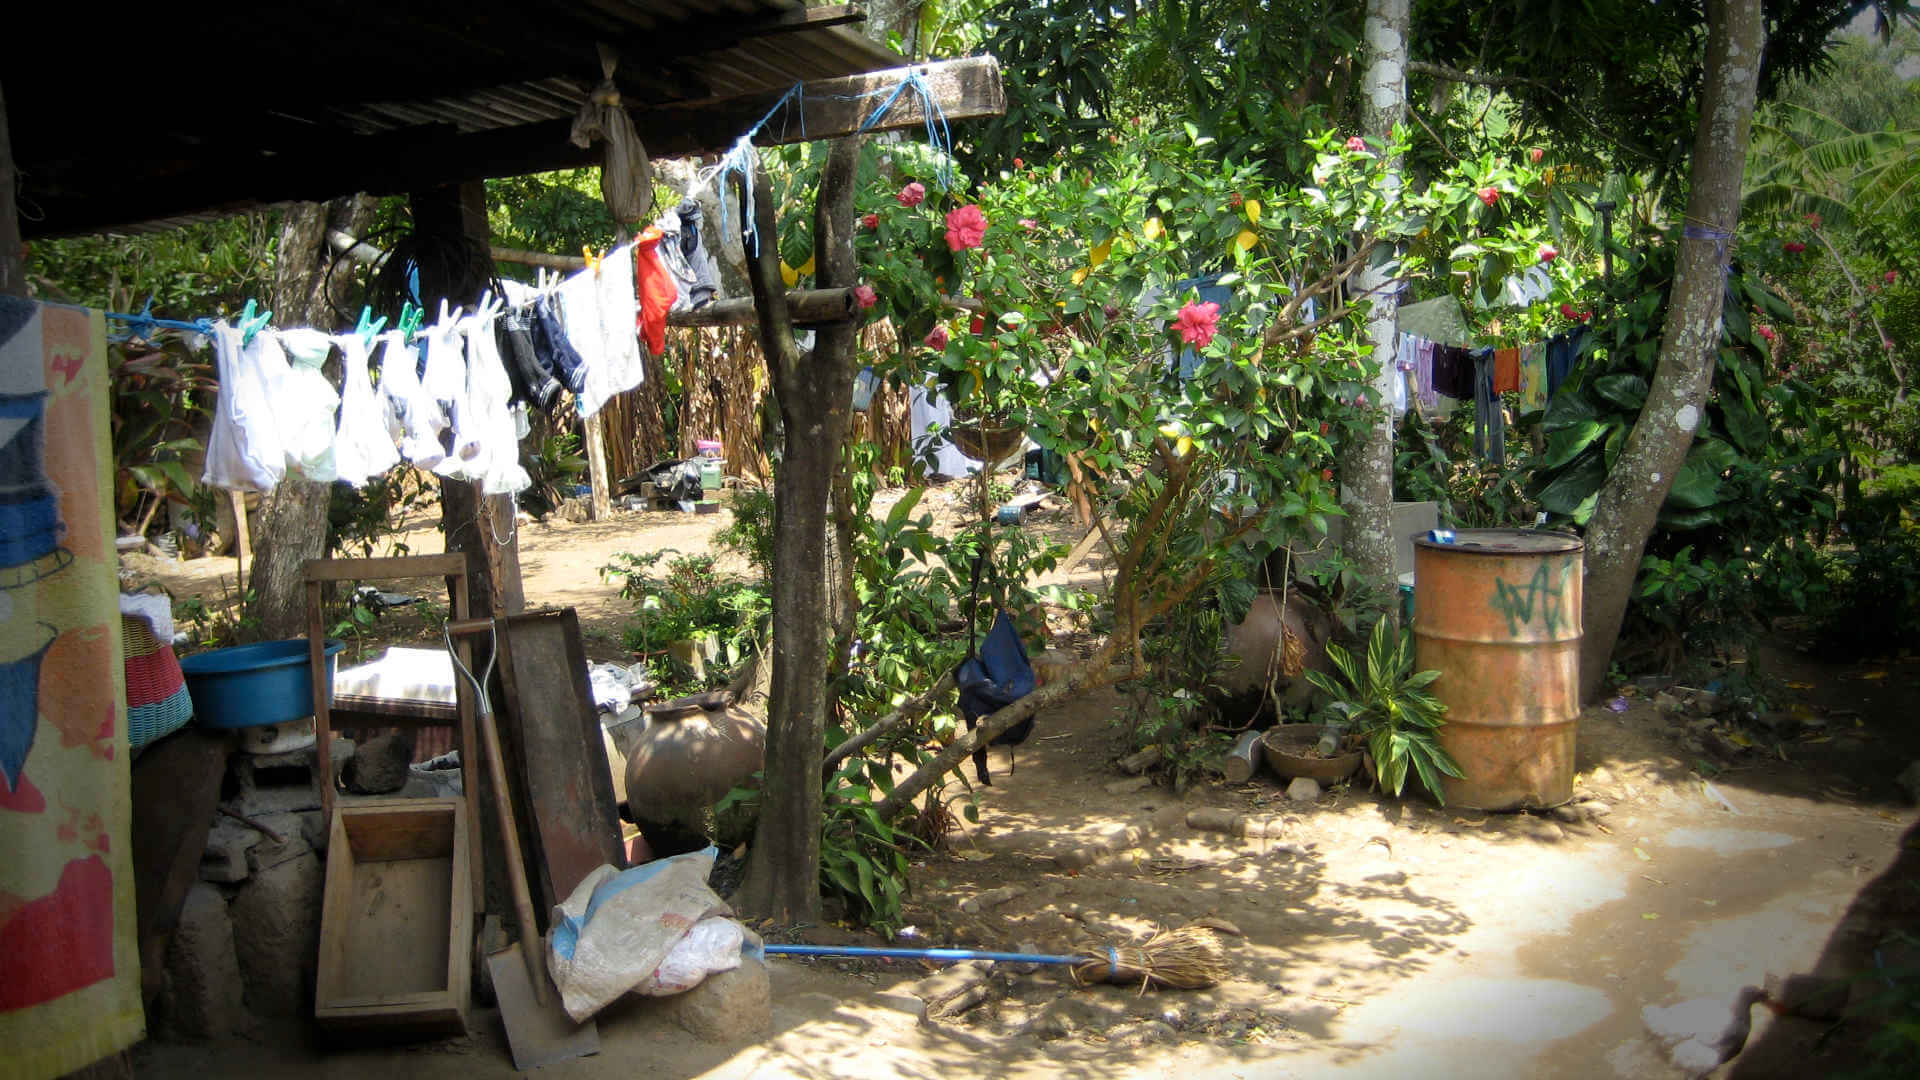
(1259, 641)
(692, 753)
(1289, 752)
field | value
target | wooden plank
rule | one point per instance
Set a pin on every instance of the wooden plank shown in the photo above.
(391, 712)
(386, 569)
(575, 821)
(432, 155)
(176, 785)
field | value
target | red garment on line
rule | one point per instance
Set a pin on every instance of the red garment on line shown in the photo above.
(656, 289)
(1506, 370)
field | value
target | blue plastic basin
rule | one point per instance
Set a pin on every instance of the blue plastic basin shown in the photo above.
(250, 685)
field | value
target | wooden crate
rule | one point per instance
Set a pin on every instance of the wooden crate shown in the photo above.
(396, 929)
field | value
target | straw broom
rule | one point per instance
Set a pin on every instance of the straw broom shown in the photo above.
(1189, 958)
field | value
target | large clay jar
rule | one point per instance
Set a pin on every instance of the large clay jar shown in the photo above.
(692, 753)
(1260, 641)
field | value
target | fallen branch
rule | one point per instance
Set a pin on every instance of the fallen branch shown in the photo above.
(889, 722)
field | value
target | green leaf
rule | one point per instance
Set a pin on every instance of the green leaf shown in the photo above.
(1625, 389)
(1574, 486)
(1566, 444)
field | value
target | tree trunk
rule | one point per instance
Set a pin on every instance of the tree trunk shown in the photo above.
(813, 392)
(13, 258)
(293, 519)
(1638, 484)
(1366, 464)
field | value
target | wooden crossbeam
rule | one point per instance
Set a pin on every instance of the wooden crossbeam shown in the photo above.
(412, 160)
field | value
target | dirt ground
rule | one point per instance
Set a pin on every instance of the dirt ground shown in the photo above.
(1375, 937)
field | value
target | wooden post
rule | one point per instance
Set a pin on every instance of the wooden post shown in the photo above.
(597, 468)
(242, 542)
(13, 261)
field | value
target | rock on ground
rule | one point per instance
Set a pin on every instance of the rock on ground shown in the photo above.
(205, 997)
(379, 766)
(1909, 781)
(728, 1006)
(276, 935)
(1303, 789)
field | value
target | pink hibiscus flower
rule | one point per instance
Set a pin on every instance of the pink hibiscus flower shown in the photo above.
(1197, 323)
(966, 227)
(913, 194)
(937, 337)
(865, 295)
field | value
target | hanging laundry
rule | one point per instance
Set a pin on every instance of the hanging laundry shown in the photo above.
(420, 417)
(1489, 419)
(1506, 370)
(307, 404)
(1533, 378)
(1453, 372)
(1407, 346)
(533, 379)
(658, 292)
(244, 448)
(487, 438)
(686, 256)
(600, 310)
(1423, 376)
(551, 345)
(362, 444)
(1563, 352)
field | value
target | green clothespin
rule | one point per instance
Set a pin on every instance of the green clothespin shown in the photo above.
(410, 317)
(251, 324)
(369, 326)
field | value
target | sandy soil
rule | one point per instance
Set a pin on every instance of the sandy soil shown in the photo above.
(1377, 937)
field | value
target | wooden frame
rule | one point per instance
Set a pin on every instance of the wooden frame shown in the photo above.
(396, 924)
(453, 567)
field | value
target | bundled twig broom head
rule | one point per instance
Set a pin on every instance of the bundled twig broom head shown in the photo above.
(1189, 958)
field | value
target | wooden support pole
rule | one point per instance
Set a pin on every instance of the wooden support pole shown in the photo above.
(597, 468)
(810, 307)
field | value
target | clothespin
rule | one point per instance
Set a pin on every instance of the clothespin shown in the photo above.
(410, 316)
(251, 324)
(368, 326)
(593, 260)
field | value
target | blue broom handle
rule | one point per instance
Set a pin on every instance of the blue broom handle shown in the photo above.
(921, 954)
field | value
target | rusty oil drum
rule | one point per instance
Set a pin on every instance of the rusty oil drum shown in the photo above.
(1498, 616)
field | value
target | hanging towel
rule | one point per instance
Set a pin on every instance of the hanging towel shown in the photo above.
(308, 404)
(1506, 370)
(362, 444)
(244, 448)
(1563, 352)
(700, 283)
(600, 310)
(1533, 378)
(658, 292)
(1423, 376)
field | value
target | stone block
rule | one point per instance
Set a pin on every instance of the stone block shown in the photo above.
(204, 998)
(379, 765)
(728, 1006)
(276, 935)
(1303, 789)
(225, 861)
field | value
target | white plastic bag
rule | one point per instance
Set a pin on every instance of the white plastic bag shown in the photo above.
(617, 927)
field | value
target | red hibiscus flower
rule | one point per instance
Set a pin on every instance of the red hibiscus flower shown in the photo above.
(1548, 253)
(913, 194)
(1326, 474)
(1767, 332)
(1794, 247)
(1489, 195)
(1197, 323)
(937, 337)
(871, 221)
(865, 295)
(1534, 155)
(966, 227)
(1893, 276)
(1357, 144)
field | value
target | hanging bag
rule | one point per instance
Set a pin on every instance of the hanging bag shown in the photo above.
(994, 674)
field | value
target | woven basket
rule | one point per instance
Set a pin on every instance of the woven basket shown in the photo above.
(989, 444)
(157, 700)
